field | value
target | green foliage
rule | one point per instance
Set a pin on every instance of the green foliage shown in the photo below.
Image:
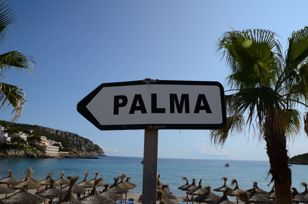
(299, 159)
(11, 95)
(264, 80)
(71, 142)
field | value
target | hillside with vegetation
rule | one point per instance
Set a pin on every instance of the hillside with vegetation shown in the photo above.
(299, 159)
(72, 144)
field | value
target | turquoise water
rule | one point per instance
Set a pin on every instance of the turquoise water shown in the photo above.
(171, 170)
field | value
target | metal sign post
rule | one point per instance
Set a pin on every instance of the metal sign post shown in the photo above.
(150, 166)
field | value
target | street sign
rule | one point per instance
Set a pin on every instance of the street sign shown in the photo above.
(152, 105)
(157, 104)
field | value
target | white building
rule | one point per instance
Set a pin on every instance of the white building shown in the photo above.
(50, 149)
(20, 135)
(4, 136)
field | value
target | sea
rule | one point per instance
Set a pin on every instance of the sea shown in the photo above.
(171, 171)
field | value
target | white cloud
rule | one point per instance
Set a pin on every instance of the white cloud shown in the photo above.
(110, 151)
(209, 150)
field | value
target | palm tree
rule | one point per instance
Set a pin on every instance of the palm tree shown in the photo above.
(11, 95)
(266, 87)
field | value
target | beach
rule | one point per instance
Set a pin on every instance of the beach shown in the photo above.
(171, 171)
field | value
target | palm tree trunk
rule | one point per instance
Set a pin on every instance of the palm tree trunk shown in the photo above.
(278, 156)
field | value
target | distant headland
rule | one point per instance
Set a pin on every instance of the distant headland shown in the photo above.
(34, 141)
(300, 159)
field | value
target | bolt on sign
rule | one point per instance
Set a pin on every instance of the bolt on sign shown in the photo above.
(158, 104)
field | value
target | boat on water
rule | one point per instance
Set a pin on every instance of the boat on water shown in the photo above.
(227, 165)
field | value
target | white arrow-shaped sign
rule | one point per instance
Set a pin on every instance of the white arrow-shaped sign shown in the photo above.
(155, 103)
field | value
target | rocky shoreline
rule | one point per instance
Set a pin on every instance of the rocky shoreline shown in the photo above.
(28, 154)
(34, 141)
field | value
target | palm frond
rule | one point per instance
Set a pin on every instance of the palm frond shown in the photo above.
(6, 17)
(233, 124)
(253, 56)
(306, 123)
(297, 86)
(255, 102)
(12, 96)
(15, 59)
(290, 121)
(298, 49)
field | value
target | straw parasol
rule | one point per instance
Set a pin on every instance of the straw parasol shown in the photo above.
(29, 183)
(4, 189)
(52, 192)
(23, 197)
(224, 199)
(29, 175)
(47, 180)
(125, 183)
(96, 177)
(116, 188)
(167, 193)
(305, 192)
(10, 179)
(109, 194)
(69, 197)
(260, 198)
(62, 181)
(211, 197)
(192, 188)
(184, 186)
(300, 197)
(162, 199)
(224, 187)
(95, 198)
(85, 183)
(238, 192)
(256, 190)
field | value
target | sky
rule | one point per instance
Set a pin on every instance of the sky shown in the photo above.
(77, 45)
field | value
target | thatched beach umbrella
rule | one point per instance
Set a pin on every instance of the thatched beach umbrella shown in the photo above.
(4, 189)
(125, 183)
(199, 190)
(201, 193)
(261, 198)
(23, 197)
(224, 187)
(69, 197)
(52, 192)
(167, 193)
(299, 197)
(256, 190)
(116, 188)
(47, 180)
(29, 183)
(78, 191)
(185, 185)
(224, 199)
(10, 179)
(95, 198)
(238, 192)
(29, 176)
(162, 199)
(85, 183)
(109, 194)
(62, 181)
(211, 197)
(305, 192)
(96, 177)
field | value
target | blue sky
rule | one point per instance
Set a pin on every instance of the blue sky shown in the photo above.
(77, 45)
